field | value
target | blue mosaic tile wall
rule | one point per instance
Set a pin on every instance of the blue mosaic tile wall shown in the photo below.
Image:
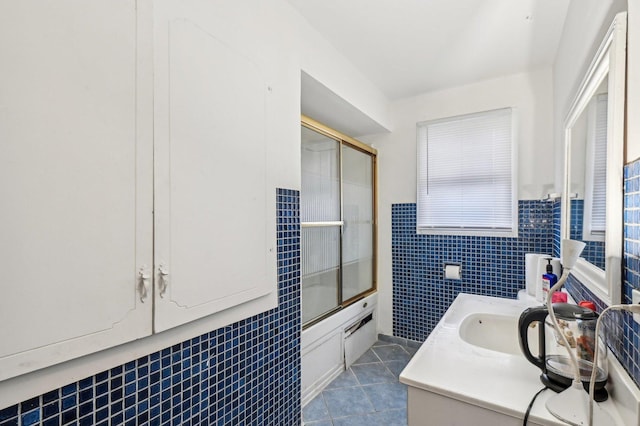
(616, 324)
(624, 333)
(492, 266)
(557, 225)
(247, 373)
(594, 250)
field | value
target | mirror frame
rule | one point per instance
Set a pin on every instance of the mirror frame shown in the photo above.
(610, 59)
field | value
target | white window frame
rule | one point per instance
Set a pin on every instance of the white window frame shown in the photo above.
(421, 145)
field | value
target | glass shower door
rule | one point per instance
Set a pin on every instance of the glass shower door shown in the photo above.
(321, 225)
(358, 216)
(337, 213)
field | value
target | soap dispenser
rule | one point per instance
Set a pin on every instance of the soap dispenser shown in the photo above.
(548, 279)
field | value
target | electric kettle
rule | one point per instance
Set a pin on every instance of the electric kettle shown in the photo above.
(578, 325)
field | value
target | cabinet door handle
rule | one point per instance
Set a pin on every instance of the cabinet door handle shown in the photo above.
(143, 283)
(163, 283)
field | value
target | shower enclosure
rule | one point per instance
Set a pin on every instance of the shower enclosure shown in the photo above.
(338, 221)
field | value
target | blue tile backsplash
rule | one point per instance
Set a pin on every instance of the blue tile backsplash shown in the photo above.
(618, 326)
(557, 222)
(629, 346)
(623, 332)
(594, 250)
(247, 373)
(494, 267)
(491, 266)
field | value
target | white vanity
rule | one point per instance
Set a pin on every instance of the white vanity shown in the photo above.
(471, 371)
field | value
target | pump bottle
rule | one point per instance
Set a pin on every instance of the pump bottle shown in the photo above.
(548, 279)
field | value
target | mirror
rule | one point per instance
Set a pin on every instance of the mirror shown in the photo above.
(587, 184)
(593, 187)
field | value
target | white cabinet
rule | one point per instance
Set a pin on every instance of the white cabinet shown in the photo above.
(215, 212)
(75, 221)
(121, 153)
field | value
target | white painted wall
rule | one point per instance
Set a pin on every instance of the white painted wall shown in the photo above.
(585, 26)
(283, 43)
(530, 93)
(274, 36)
(633, 81)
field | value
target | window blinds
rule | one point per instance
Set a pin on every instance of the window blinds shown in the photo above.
(596, 180)
(466, 179)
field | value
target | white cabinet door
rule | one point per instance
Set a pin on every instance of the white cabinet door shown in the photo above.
(75, 182)
(214, 204)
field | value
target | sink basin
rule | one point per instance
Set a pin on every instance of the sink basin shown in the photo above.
(494, 332)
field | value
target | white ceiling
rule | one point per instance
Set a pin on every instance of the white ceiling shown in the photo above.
(408, 47)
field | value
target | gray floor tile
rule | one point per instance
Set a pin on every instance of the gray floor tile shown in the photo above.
(387, 396)
(368, 357)
(368, 374)
(392, 353)
(344, 380)
(411, 350)
(392, 339)
(319, 423)
(387, 418)
(315, 410)
(367, 394)
(413, 344)
(392, 418)
(343, 402)
(396, 367)
(353, 421)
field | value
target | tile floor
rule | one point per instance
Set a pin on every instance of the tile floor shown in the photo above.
(368, 393)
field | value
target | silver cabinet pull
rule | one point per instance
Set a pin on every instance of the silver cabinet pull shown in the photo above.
(143, 283)
(163, 283)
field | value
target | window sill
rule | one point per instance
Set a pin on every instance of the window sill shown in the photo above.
(468, 232)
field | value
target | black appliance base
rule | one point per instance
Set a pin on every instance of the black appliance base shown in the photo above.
(600, 393)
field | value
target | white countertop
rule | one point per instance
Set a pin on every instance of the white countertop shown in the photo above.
(447, 365)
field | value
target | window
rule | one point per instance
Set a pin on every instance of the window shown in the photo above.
(466, 175)
(595, 180)
(337, 214)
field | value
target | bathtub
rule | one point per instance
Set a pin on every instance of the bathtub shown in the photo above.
(323, 345)
(470, 371)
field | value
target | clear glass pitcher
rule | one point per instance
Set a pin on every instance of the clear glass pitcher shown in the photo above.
(578, 325)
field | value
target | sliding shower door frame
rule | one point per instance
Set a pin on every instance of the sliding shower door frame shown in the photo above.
(347, 141)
